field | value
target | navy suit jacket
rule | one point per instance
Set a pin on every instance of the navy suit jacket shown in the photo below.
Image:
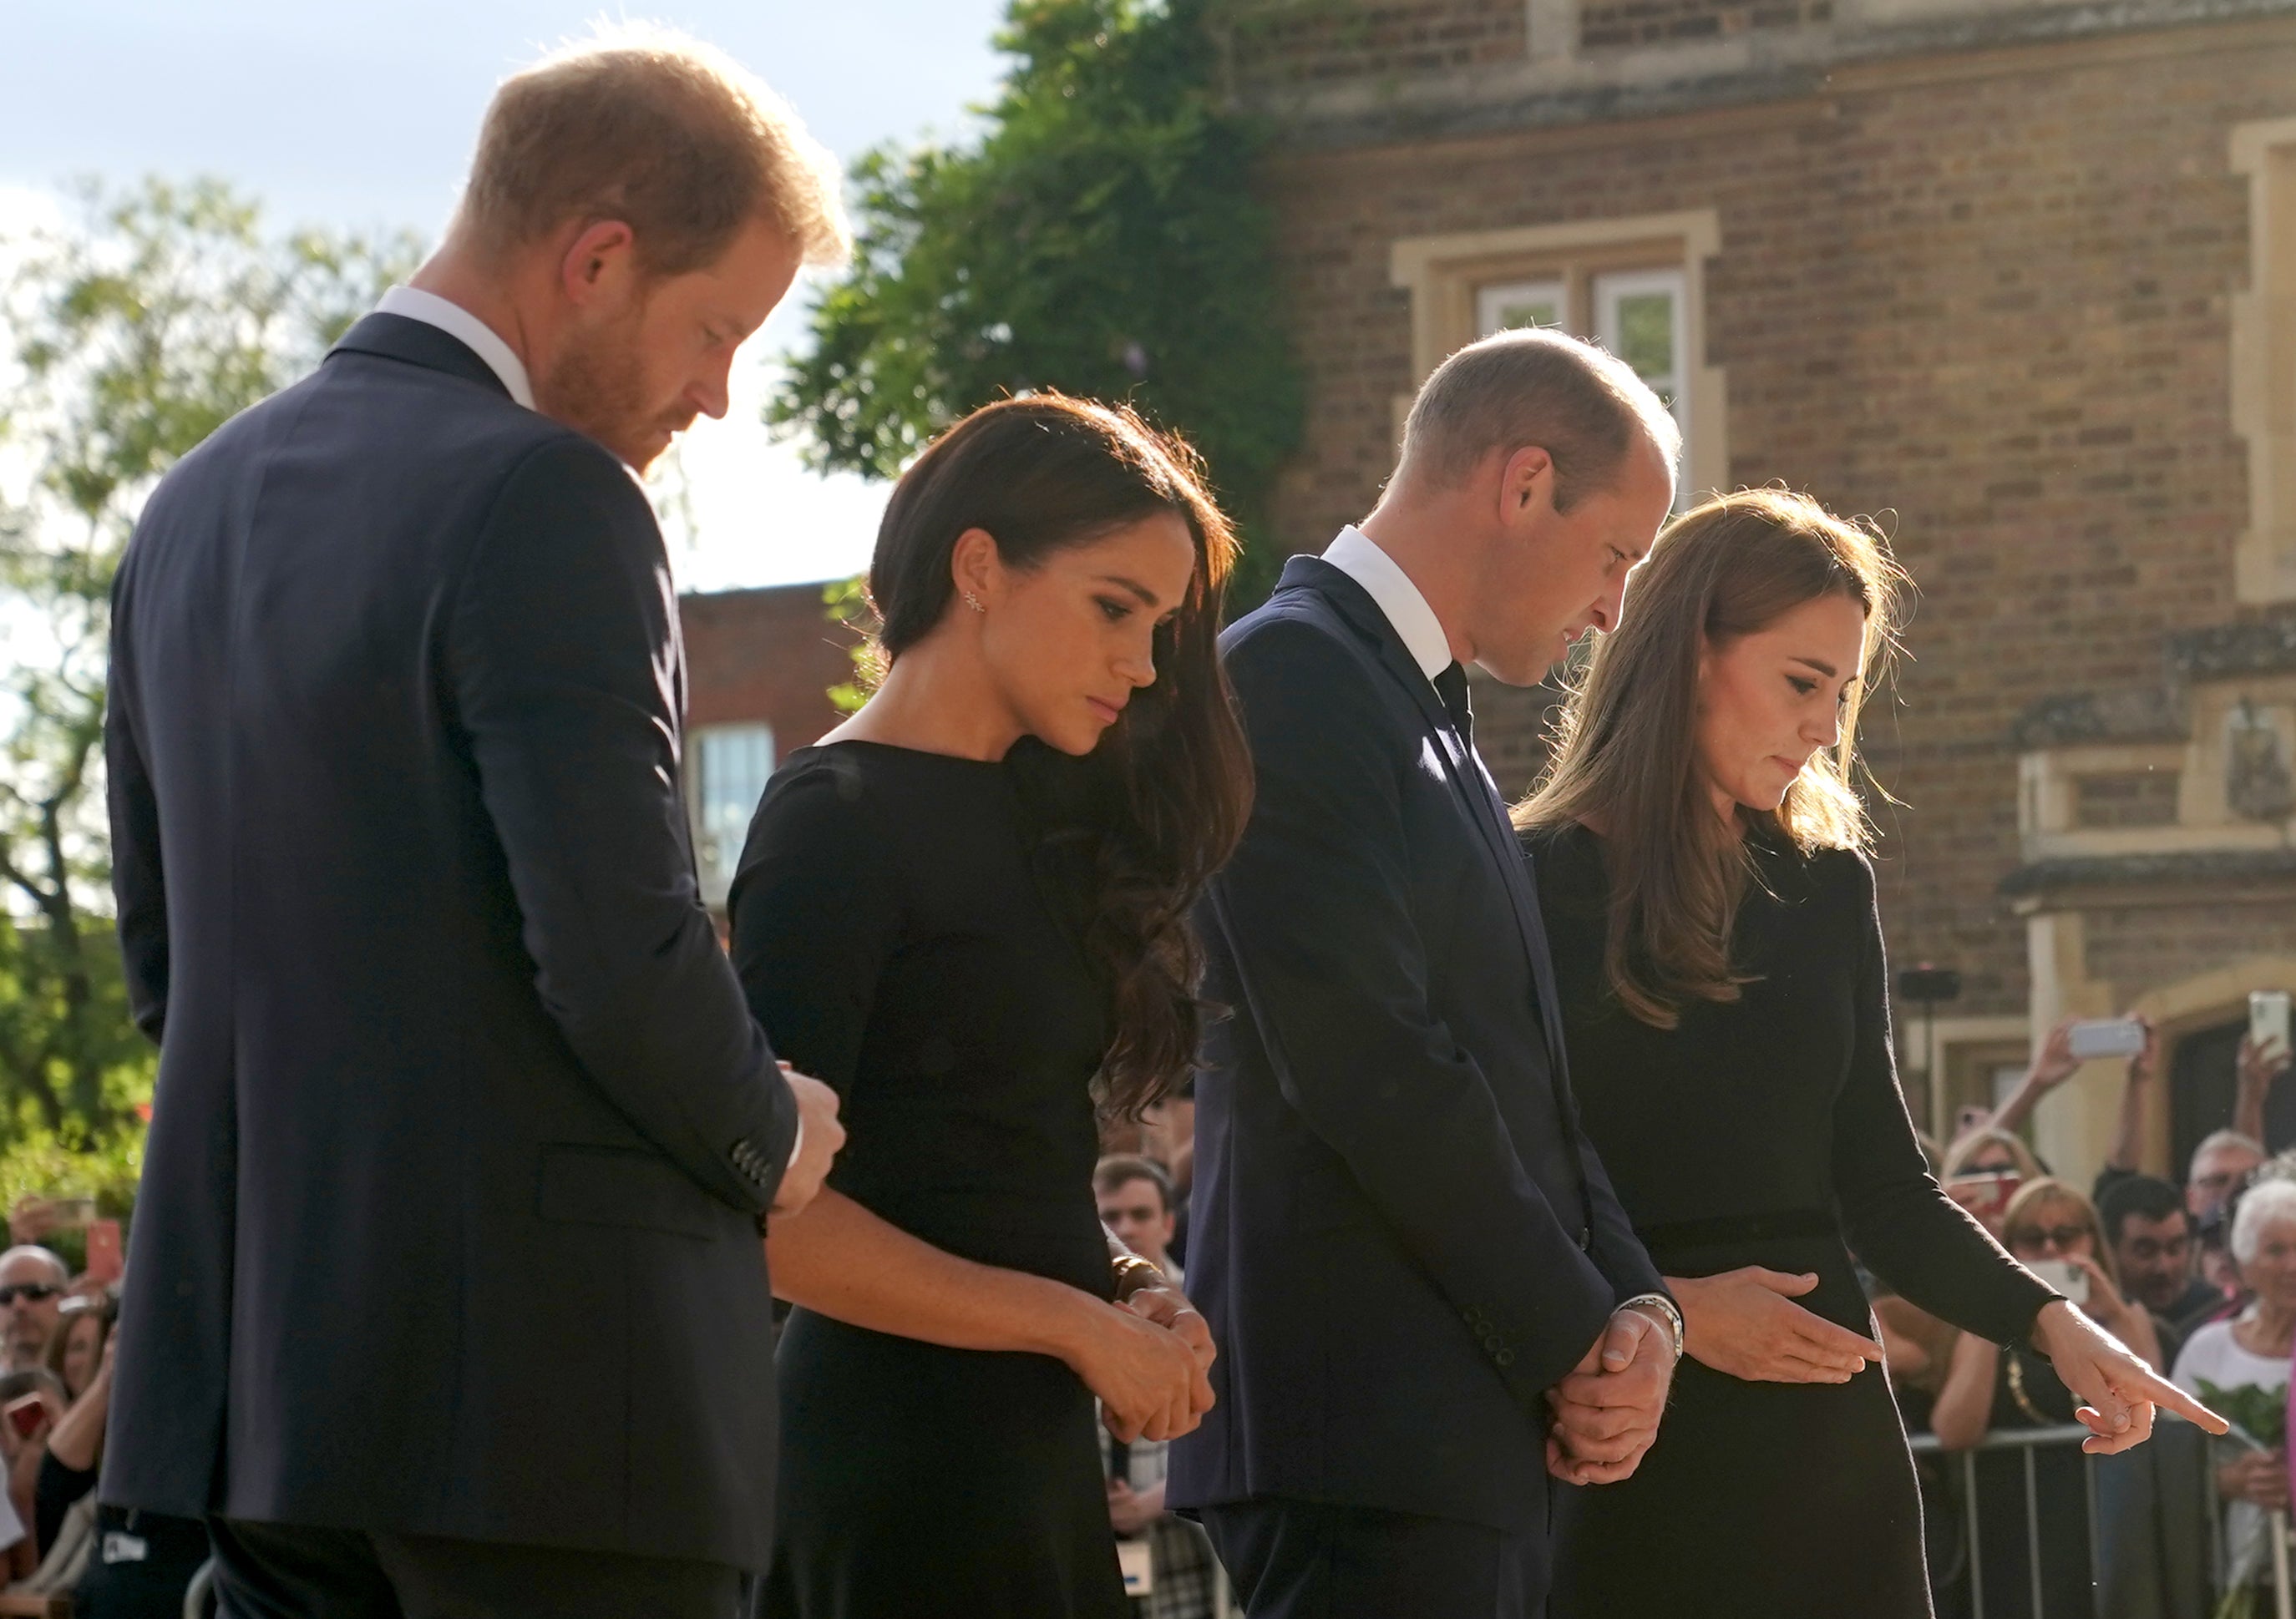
(463, 1126)
(1397, 1233)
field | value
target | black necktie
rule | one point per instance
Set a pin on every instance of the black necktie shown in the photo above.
(1451, 686)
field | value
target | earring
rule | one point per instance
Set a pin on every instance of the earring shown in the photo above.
(973, 602)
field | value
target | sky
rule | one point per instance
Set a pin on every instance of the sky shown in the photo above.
(358, 114)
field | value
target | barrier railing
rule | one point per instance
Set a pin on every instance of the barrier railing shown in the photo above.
(2029, 1443)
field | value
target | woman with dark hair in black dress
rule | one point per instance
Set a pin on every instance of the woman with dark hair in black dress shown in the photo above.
(1698, 852)
(967, 909)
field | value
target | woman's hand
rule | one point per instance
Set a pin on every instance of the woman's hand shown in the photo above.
(2258, 1476)
(1744, 1324)
(1167, 1307)
(2118, 1391)
(1144, 1374)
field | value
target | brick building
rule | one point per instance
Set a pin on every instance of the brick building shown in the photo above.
(2017, 276)
(760, 665)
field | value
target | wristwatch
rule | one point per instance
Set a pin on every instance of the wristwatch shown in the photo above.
(1665, 1307)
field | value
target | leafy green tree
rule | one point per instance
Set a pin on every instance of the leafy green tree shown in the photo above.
(126, 337)
(1101, 238)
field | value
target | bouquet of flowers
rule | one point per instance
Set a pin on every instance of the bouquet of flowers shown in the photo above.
(2262, 1414)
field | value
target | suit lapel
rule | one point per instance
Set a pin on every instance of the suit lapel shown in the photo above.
(1472, 782)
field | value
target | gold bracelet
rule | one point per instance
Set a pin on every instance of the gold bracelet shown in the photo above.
(1124, 1266)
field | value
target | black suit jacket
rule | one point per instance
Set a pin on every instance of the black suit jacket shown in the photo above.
(1399, 1235)
(448, 1222)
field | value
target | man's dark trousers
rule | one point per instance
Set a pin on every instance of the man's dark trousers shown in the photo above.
(1311, 1559)
(280, 1571)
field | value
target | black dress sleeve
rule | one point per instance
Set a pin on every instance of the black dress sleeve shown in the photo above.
(1898, 1219)
(55, 1490)
(815, 913)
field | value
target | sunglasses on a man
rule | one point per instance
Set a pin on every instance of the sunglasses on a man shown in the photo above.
(32, 1291)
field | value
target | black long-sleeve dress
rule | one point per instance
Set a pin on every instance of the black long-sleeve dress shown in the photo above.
(907, 932)
(1765, 1132)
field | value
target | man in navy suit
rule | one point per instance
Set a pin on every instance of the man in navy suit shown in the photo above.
(1425, 1295)
(447, 1293)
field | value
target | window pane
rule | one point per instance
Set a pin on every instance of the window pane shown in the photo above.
(1641, 316)
(1646, 338)
(734, 762)
(1515, 304)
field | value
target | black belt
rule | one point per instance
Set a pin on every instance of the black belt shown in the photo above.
(1728, 1230)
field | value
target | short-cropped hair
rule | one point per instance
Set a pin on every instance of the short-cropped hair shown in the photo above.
(2139, 1196)
(1514, 390)
(2216, 1141)
(1123, 1168)
(671, 137)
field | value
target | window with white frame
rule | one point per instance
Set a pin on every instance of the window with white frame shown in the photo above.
(1641, 315)
(731, 765)
(1514, 305)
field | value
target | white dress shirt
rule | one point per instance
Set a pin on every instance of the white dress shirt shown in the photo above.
(1356, 555)
(473, 334)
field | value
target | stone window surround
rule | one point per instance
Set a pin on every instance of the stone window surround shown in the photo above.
(2264, 361)
(1442, 274)
(2205, 821)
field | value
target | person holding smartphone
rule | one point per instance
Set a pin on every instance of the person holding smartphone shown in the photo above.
(2054, 1231)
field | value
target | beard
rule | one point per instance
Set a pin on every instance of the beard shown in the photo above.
(596, 385)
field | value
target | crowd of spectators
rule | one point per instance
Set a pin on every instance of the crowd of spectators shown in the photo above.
(2199, 1280)
(55, 1401)
(1142, 1187)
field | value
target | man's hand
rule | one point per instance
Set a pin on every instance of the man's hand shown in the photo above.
(1167, 1307)
(1744, 1324)
(817, 1146)
(1606, 1412)
(2119, 1392)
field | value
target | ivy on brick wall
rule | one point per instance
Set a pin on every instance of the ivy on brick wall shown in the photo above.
(1100, 236)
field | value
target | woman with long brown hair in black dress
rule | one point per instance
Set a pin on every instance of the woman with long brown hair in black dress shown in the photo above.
(967, 909)
(1700, 859)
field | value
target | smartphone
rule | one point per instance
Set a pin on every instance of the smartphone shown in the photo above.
(72, 1212)
(2093, 1037)
(2268, 1019)
(106, 1259)
(2066, 1277)
(25, 1413)
(1986, 1196)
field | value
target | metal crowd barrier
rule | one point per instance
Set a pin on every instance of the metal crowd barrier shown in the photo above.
(2029, 1442)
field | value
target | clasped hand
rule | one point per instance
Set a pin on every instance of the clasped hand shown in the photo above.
(1605, 1414)
(1149, 1362)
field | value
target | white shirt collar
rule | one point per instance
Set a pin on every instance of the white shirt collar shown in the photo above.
(473, 334)
(1358, 556)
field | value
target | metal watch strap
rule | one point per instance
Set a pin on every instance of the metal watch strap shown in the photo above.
(1665, 1307)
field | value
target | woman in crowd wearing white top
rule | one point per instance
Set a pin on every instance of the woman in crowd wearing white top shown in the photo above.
(2251, 1351)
